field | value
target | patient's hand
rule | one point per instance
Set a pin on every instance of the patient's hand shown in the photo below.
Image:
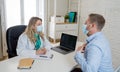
(41, 51)
(81, 48)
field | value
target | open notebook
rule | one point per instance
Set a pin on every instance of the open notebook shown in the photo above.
(25, 63)
(46, 56)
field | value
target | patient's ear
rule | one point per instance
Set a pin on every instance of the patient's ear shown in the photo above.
(92, 25)
(89, 26)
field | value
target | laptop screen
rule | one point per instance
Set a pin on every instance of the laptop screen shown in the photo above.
(68, 41)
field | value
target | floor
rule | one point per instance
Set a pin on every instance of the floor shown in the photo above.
(4, 58)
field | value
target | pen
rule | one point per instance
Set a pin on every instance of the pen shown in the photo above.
(44, 56)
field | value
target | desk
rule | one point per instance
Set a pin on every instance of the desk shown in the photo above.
(59, 63)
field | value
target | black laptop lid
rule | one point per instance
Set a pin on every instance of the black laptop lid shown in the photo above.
(68, 41)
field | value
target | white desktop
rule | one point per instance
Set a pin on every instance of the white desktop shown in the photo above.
(59, 63)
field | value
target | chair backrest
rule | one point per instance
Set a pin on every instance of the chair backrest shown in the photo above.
(12, 36)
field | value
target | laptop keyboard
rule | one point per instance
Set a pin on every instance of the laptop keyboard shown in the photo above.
(63, 49)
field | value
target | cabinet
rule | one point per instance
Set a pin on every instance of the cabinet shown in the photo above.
(62, 7)
(56, 30)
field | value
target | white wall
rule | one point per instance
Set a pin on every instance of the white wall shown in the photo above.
(50, 7)
(110, 9)
(61, 7)
(57, 7)
(73, 5)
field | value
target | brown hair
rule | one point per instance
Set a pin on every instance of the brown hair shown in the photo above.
(98, 19)
(30, 31)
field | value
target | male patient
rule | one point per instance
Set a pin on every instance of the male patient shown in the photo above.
(97, 53)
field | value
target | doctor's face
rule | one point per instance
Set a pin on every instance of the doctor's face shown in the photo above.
(38, 23)
(38, 26)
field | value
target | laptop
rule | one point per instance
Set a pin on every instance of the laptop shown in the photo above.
(67, 44)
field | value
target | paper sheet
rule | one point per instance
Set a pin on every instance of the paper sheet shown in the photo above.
(47, 56)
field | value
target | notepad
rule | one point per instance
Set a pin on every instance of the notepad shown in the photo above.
(46, 56)
(25, 63)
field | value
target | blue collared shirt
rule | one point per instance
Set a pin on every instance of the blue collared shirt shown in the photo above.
(97, 55)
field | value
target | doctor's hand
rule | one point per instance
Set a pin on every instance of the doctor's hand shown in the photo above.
(41, 51)
(81, 48)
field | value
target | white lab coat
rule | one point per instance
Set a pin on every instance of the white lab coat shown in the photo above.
(26, 48)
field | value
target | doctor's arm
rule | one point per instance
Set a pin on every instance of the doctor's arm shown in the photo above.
(22, 47)
(47, 44)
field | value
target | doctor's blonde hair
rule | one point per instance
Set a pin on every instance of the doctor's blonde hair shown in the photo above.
(30, 31)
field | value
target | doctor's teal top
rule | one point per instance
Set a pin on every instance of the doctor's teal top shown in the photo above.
(97, 55)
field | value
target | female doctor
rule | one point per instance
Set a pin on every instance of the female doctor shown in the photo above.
(33, 42)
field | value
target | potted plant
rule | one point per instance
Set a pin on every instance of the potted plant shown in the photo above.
(66, 18)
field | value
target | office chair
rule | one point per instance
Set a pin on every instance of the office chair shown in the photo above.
(12, 36)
